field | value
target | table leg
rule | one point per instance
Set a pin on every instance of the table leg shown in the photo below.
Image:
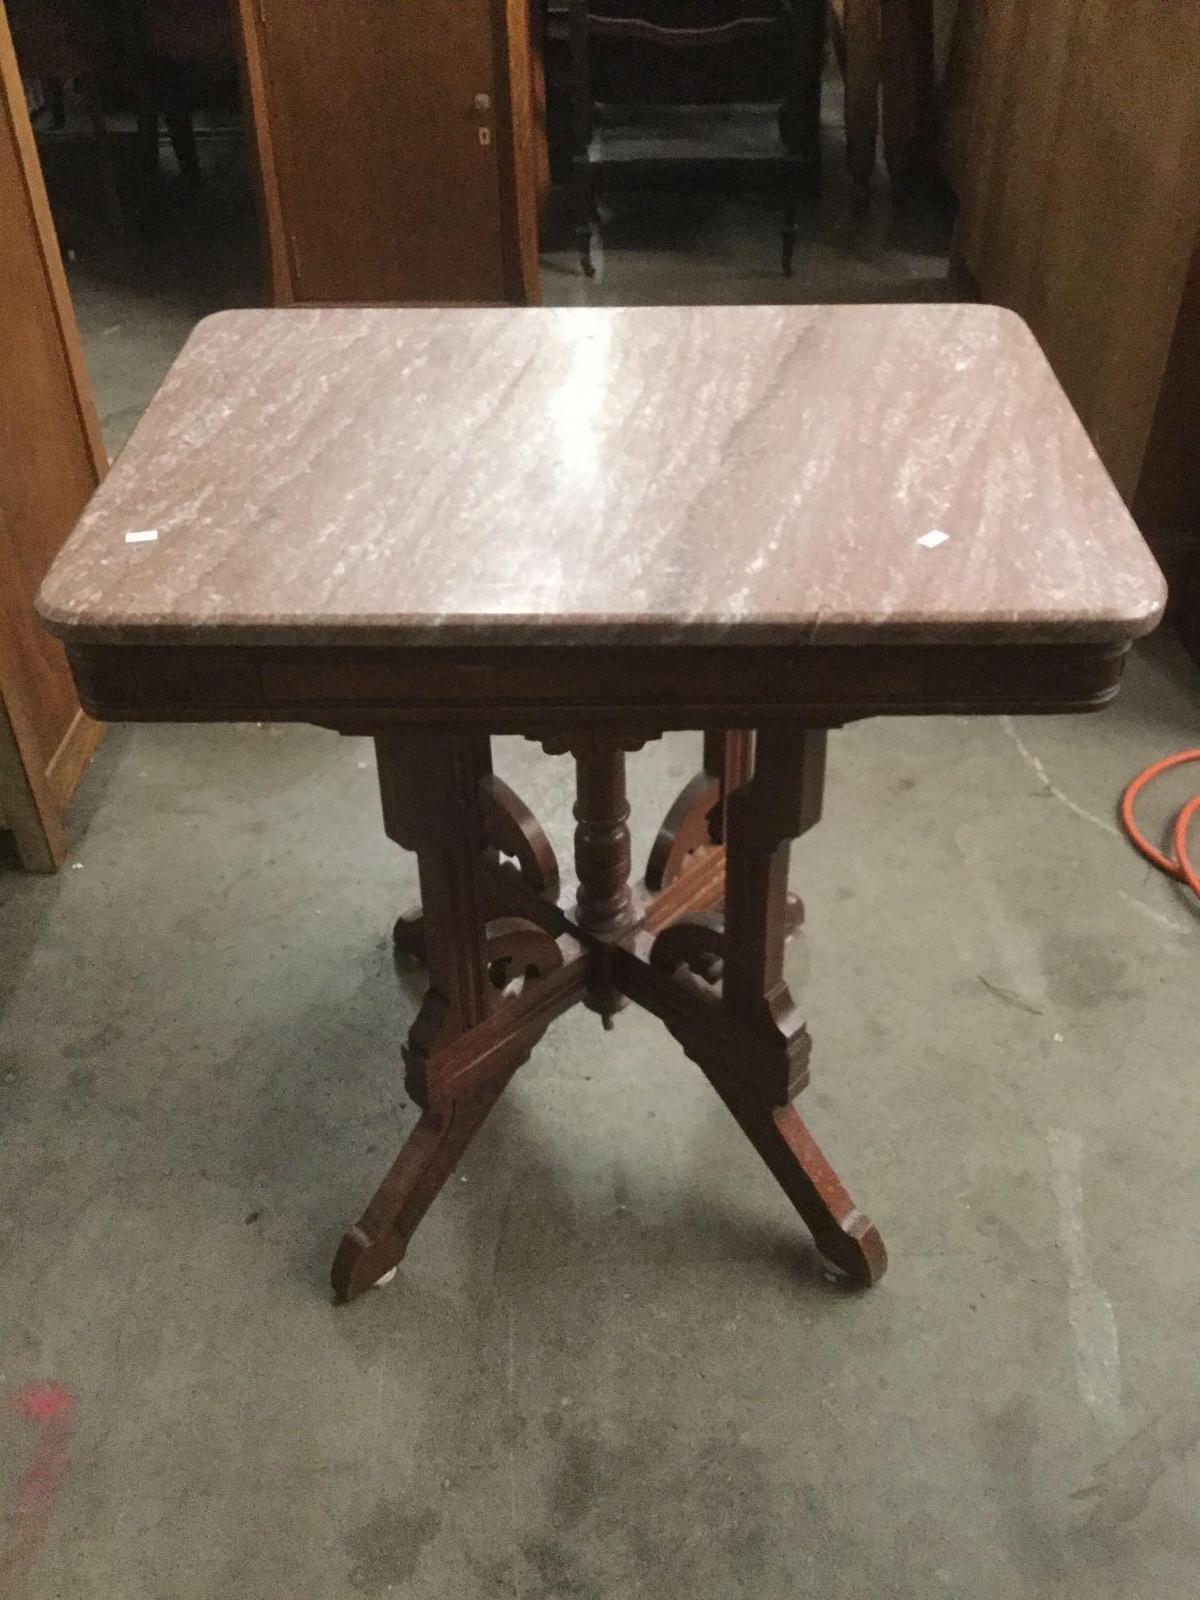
(840, 1232)
(380, 1238)
(748, 1039)
(781, 802)
(494, 986)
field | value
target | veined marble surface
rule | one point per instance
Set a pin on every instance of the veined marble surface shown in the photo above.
(739, 474)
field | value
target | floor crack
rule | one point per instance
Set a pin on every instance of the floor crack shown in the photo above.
(1036, 767)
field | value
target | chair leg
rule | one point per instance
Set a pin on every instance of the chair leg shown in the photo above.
(56, 102)
(909, 132)
(583, 240)
(800, 113)
(582, 112)
(863, 48)
(148, 168)
(585, 210)
(113, 204)
(790, 228)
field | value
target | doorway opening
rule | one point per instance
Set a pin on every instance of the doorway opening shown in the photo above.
(137, 112)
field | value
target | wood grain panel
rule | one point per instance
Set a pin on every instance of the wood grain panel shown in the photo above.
(52, 460)
(37, 829)
(256, 98)
(1073, 140)
(397, 147)
(1122, 217)
(980, 84)
(1167, 504)
(524, 158)
(1021, 150)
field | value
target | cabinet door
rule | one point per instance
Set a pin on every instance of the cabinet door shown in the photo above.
(51, 459)
(389, 132)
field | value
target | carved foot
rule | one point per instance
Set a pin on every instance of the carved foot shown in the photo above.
(842, 1234)
(457, 1075)
(408, 936)
(378, 1242)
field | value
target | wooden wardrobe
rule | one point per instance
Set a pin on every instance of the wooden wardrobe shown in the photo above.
(51, 458)
(1073, 142)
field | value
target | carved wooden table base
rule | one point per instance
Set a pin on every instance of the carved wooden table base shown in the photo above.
(505, 958)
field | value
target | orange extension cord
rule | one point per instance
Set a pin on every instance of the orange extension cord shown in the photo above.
(1181, 867)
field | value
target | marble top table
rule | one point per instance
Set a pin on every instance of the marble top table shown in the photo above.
(590, 526)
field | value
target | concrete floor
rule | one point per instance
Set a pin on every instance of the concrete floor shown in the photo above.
(611, 1365)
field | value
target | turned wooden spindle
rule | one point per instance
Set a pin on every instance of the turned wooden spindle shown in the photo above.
(603, 859)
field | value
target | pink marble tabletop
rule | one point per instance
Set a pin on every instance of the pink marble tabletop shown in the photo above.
(670, 474)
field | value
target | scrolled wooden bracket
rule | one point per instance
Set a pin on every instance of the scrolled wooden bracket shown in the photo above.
(510, 827)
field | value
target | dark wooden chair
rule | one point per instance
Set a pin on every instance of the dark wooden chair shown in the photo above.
(60, 43)
(627, 134)
(161, 59)
(47, 53)
(186, 56)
